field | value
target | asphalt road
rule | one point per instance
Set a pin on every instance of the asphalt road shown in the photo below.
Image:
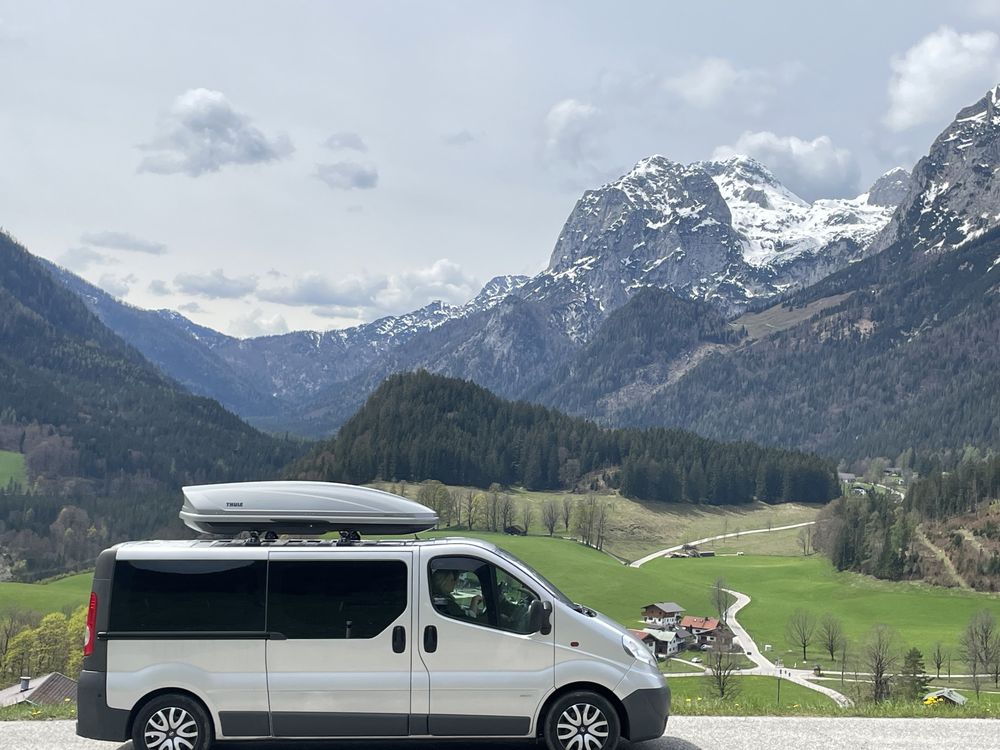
(683, 733)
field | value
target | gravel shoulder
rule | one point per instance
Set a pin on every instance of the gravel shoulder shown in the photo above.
(683, 733)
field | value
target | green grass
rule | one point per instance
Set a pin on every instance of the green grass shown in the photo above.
(12, 467)
(28, 712)
(922, 614)
(637, 528)
(757, 696)
(60, 595)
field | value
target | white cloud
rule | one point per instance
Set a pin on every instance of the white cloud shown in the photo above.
(347, 140)
(716, 80)
(443, 280)
(123, 241)
(118, 286)
(571, 129)
(203, 133)
(389, 294)
(315, 289)
(348, 175)
(82, 258)
(256, 323)
(458, 138)
(191, 307)
(159, 287)
(812, 169)
(215, 285)
(939, 74)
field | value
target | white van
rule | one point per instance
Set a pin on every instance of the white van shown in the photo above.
(189, 642)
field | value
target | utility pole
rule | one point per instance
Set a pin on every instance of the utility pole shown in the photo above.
(779, 665)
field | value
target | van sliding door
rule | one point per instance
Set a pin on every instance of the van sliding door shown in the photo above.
(338, 654)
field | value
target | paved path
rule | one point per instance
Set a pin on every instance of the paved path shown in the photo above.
(683, 733)
(664, 552)
(765, 666)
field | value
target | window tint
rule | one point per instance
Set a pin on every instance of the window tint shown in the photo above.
(466, 588)
(513, 602)
(459, 588)
(335, 599)
(188, 596)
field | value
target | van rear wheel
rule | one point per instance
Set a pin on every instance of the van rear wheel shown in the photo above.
(582, 721)
(172, 722)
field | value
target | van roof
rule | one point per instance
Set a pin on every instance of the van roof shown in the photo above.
(220, 545)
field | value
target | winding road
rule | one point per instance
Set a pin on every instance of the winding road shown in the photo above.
(764, 666)
(677, 548)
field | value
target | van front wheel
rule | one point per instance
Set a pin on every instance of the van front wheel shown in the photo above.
(582, 721)
(172, 722)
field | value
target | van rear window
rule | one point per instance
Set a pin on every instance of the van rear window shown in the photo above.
(336, 599)
(188, 596)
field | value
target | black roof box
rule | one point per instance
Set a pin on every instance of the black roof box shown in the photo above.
(301, 508)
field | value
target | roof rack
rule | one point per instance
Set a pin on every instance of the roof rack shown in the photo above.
(304, 508)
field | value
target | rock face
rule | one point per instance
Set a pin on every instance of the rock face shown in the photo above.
(954, 194)
(890, 189)
(725, 232)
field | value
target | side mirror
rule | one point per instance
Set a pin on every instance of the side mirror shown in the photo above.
(539, 613)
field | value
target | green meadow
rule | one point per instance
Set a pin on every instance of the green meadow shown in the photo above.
(60, 595)
(12, 467)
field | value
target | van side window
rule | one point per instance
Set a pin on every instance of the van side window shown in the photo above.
(466, 588)
(188, 596)
(335, 599)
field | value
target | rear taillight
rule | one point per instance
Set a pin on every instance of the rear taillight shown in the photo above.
(91, 635)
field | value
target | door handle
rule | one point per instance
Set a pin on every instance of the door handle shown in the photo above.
(398, 639)
(430, 639)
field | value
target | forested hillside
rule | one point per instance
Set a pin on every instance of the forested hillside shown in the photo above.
(910, 359)
(634, 350)
(946, 530)
(420, 426)
(106, 437)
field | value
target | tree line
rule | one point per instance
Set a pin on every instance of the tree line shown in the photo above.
(418, 426)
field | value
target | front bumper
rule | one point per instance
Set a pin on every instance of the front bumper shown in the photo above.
(647, 712)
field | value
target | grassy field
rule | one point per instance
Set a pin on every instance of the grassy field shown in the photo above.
(757, 696)
(61, 595)
(778, 318)
(12, 467)
(921, 614)
(637, 528)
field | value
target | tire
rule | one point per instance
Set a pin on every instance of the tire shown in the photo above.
(172, 722)
(582, 721)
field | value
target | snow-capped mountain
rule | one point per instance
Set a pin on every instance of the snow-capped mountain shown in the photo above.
(726, 232)
(954, 195)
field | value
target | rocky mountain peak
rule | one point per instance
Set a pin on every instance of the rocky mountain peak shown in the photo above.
(890, 188)
(745, 180)
(953, 194)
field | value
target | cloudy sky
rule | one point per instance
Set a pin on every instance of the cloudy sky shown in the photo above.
(265, 167)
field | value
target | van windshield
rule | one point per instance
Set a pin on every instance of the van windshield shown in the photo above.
(538, 576)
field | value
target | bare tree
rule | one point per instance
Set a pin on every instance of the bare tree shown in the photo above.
(831, 633)
(800, 628)
(881, 653)
(938, 658)
(979, 645)
(527, 514)
(719, 598)
(472, 508)
(586, 519)
(805, 541)
(493, 507)
(723, 673)
(567, 511)
(507, 511)
(550, 516)
(601, 523)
